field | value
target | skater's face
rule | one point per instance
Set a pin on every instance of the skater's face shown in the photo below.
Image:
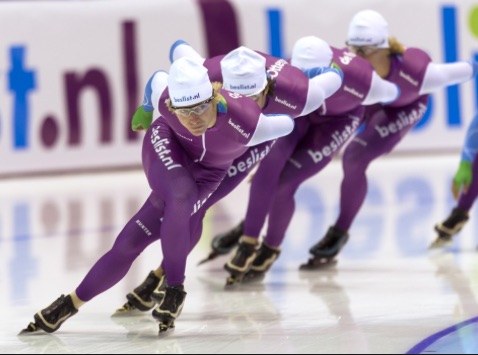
(259, 98)
(363, 51)
(198, 118)
(379, 58)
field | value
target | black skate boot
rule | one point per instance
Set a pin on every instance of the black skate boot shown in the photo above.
(265, 257)
(223, 243)
(51, 318)
(141, 297)
(241, 261)
(449, 227)
(170, 307)
(326, 249)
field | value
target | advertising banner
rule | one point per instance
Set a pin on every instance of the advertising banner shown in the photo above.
(72, 73)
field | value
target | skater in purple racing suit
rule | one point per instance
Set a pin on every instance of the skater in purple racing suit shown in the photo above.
(413, 71)
(288, 90)
(187, 151)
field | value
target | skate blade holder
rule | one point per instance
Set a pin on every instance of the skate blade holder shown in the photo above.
(165, 322)
(127, 310)
(442, 241)
(213, 255)
(253, 277)
(234, 280)
(317, 263)
(165, 326)
(31, 328)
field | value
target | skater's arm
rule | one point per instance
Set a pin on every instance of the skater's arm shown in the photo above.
(464, 175)
(440, 75)
(148, 110)
(381, 91)
(321, 87)
(270, 127)
(180, 49)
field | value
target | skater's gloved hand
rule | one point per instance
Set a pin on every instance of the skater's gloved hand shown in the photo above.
(141, 119)
(462, 179)
(313, 72)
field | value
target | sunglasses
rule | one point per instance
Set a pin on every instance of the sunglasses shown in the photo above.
(365, 50)
(198, 109)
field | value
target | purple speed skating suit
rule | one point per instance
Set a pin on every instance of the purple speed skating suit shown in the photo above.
(307, 150)
(153, 222)
(290, 97)
(385, 128)
(182, 170)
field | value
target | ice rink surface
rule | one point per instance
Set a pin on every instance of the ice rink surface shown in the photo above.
(387, 294)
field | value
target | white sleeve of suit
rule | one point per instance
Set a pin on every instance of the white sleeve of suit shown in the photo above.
(159, 82)
(440, 75)
(320, 88)
(182, 49)
(271, 127)
(381, 91)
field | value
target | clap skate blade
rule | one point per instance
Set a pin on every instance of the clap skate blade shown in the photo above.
(126, 310)
(317, 263)
(165, 326)
(31, 328)
(233, 280)
(213, 255)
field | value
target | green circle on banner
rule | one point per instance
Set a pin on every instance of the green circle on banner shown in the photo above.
(473, 21)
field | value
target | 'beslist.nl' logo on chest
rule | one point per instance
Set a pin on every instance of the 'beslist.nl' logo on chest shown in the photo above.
(353, 92)
(160, 146)
(238, 128)
(408, 78)
(285, 103)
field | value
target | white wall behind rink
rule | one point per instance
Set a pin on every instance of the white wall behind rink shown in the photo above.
(112, 47)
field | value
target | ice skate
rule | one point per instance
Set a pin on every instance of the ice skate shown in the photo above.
(448, 228)
(331, 244)
(170, 307)
(51, 318)
(266, 256)
(223, 243)
(140, 299)
(241, 261)
(325, 251)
